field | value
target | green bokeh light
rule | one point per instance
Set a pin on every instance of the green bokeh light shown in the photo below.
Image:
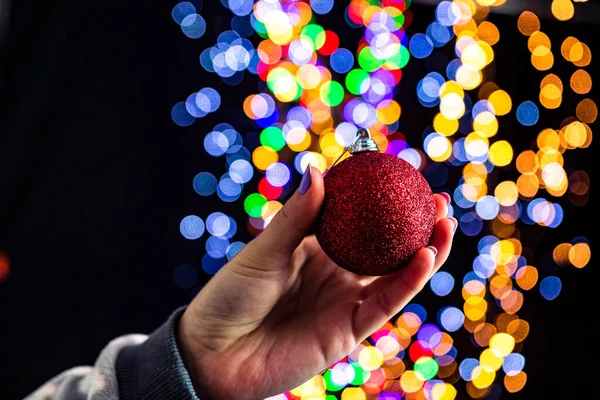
(360, 375)
(367, 60)
(332, 93)
(254, 204)
(329, 383)
(427, 367)
(398, 60)
(316, 34)
(272, 137)
(357, 81)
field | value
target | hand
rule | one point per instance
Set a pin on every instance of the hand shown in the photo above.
(281, 311)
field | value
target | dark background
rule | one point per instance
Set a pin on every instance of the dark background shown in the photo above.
(95, 178)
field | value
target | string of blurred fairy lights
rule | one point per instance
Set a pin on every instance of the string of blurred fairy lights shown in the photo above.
(315, 94)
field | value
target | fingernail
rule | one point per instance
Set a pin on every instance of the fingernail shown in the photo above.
(447, 197)
(306, 181)
(432, 248)
(454, 222)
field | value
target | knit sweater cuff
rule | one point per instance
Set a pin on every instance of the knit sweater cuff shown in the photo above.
(154, 369)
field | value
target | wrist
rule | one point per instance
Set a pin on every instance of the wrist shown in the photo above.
(190, 356)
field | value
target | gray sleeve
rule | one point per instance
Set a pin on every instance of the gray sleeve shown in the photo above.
(129, 367)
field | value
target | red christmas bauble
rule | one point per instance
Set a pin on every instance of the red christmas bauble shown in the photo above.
(377, 213)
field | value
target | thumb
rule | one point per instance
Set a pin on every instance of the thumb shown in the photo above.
(289, 226)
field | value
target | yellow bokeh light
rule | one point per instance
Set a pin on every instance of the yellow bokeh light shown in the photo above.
(538, 39)
(586, 56)
(451, 87)
(370, 358)
(506, 193)
(351, 393)
(562, 10)
(575, 134)
(279, 28)
(580, 254)
(264, 156)
(476, 144)
(501, 153)
(313, 387)
(329, 146)
(475, 308)
(439, 148)
(553, 175)
(314, 159)
(443, 391)
(542, 58)
(502, 344)
(452, 106)
(501, 101)
(468, 29)
(551, 91)
(552, 79)
(486, 124)
(410, 382)
(548, 139)
(571, 49)
(488, 358)
(388, 111)
(445, 126)
(483, 377)
(468, 77)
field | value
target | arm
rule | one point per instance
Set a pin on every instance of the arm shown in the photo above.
(129, 367)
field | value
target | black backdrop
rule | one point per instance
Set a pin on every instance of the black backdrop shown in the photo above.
(95, 177)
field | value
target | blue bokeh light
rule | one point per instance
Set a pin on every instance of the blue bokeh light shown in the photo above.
(466, 368)
(181, 116)
(191, 227)
(420, 46)
(451, 318)
(528, 113)
(341, 60)
(182, 10)
(321, 6)
(442, 283)
(217, 224)
(550, 287)
(193, 26)
(205, 183)
(513, 364)
(233, 249)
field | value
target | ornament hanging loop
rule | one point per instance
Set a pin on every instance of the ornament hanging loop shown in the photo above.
(363, 142)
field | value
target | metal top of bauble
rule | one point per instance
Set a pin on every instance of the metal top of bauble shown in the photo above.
(363, 142)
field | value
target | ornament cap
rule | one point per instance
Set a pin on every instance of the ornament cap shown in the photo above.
(363, 142)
